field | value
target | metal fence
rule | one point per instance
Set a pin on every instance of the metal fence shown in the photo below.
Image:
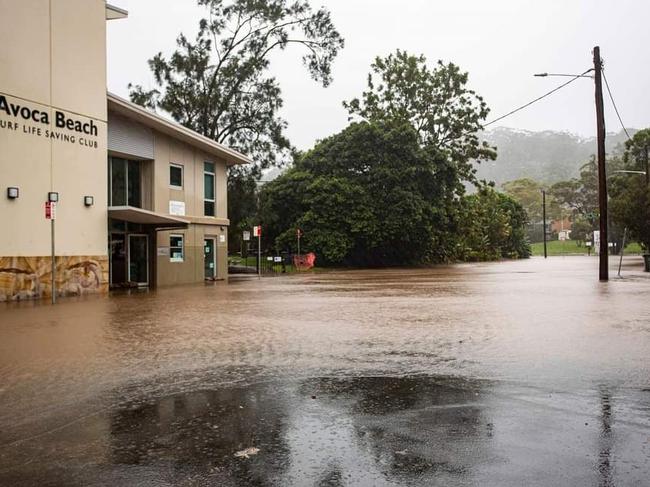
(271, 264)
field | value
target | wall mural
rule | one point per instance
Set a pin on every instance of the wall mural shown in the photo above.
(31, 277)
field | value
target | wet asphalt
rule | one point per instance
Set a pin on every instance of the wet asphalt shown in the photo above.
(505, 374)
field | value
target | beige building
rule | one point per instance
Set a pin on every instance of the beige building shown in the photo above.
(141, 200)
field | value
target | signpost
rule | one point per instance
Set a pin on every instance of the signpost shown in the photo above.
(257, 232)
(298, 235)
(50, 214)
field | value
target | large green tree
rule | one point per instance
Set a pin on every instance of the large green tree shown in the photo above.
(372, 195)
(366, 196)
(219, 83)
(389, 189)
(629, 189)
(436, 102)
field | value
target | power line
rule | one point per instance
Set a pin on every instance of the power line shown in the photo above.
(537, 99)
(615, 108)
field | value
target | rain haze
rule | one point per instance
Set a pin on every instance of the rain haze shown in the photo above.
(400, 306)
(500, 43)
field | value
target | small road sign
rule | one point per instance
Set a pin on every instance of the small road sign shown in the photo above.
(50, 210)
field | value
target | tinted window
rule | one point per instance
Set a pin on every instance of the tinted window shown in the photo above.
(176, 176)
(118, 182)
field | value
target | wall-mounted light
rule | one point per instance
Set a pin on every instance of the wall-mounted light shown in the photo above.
(89, 201)
(53, 197)
(221, 228)
(12, 193)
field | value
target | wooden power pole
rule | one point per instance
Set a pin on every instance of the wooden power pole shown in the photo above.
(602, 174)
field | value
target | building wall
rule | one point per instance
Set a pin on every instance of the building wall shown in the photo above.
(166, 151)
(53, 68)
(192, 268)
(157, 194)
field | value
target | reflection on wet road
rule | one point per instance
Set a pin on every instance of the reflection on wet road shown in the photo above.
(516, 373)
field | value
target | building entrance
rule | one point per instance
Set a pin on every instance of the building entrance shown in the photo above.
(118, 259)
(209, 254)
(129, 259)
(138, 260)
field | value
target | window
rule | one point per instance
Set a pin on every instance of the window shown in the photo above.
(125, 182)
(176, 176)
(208, 189)
(118, 182)
(176, 253)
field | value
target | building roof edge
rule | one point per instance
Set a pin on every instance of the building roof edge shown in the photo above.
(136, 112)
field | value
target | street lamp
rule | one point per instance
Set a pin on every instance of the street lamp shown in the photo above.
(626, 171)
(544, 75)
(602, 176)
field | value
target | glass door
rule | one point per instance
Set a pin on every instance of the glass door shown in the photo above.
(139, 259)
(209, 261)
(118, 259)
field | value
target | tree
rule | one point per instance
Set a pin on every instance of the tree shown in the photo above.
(630, 193)
(636, 155)
(580, 196)
(219, 86)
(495, 227)
(373, 196)
(630, 207)
(582, 230)
(528, 193)
(436, 102)
(367, 196)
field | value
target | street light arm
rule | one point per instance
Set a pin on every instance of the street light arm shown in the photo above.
(626, 171)
(546, 75)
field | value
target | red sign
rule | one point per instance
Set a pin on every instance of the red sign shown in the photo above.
(257, 231)
(50, 210)
(304, 262)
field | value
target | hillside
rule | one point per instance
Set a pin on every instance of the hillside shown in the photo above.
(546, 156)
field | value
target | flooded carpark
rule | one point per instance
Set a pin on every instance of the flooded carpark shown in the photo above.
(511, 373)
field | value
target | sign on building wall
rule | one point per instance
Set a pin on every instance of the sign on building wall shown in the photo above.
(22, 118)
(177, 208)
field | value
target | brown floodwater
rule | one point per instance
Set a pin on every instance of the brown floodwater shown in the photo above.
(513, 373)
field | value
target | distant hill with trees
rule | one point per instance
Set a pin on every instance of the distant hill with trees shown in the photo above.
(546, 156)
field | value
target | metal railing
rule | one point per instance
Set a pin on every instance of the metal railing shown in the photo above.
(271, 264)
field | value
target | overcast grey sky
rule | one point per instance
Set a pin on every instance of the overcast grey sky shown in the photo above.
(501, 43)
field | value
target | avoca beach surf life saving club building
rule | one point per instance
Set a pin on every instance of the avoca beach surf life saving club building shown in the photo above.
(138, 200)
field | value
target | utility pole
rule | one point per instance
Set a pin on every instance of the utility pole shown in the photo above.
(544, 220)
(602, 176)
